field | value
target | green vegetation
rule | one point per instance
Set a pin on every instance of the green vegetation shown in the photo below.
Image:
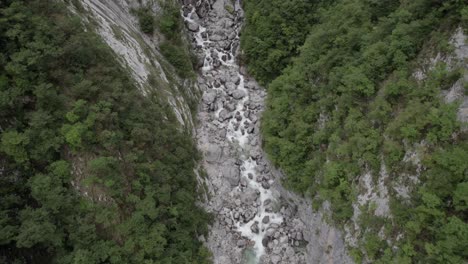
(274, 31)
(90, 170)
(146, 20)
(174, 48)
(348, 103)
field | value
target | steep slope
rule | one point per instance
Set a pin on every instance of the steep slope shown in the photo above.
(370, 118)
(97, 158)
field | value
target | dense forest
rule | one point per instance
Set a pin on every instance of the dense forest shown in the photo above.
(343, 101)
(91, 171)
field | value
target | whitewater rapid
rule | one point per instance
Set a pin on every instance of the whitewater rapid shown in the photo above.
(248, 167)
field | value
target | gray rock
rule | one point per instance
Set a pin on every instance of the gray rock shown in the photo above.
(224, 115)
(265, 241)
(241, 243)
(299, 235)
(254, 227)
(209, 97)
(238, 94)
(230, 107)
(231, 173)
(275, 259)
(266, 185)
(192, 26)
(213, 154)
(243, 182)
(266, 219)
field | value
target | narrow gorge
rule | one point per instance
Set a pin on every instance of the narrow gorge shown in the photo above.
(233, 131)
(256, 220)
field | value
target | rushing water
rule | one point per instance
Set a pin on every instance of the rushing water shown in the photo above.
(237, 136)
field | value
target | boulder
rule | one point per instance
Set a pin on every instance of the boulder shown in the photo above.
(275, 259)
(209, 97)
(238, 94)
(231, 173)
(192, 26)
(254, 227)
(213, 154)
(266, 219)
(224, 115)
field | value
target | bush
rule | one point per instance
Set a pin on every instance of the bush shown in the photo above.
(146, 20)
(178, 57)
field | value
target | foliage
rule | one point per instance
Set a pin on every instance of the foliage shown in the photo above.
(343, 101)
(145, 20)
(274, 31)
(173, 48)
(91, 171)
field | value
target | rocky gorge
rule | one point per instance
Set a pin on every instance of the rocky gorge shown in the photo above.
(256, 219)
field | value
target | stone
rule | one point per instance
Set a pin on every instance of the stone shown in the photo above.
(265, 241)
(238, 94)
(266, 219)
(231, 174)
(224, 115)
(283, 240)
(230, 106)
(254, 227)
(250, 175)
(209, 97)
(241, 243)
(238, 116)
(243, 182)
(275, 259)
(266, 185)
(299, 235)
(213, 154)
(192, 26)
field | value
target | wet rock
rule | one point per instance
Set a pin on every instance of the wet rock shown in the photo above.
(243, 182)
(266, 185)
(265, 241)
(254, 227)
(224, 115)
(216, 63)
(275, 259)
(250, 175)
(238, 94)
(266, 219)
(192, 26)
(299, 236)
(238, 116)
(230, 107)
(209, 97)
(248, 216)
(241, 243)
(283, 240)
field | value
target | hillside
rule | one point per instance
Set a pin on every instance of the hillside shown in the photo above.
(96, 165)
(366, 114)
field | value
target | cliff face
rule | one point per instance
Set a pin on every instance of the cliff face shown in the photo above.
(116, 22)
